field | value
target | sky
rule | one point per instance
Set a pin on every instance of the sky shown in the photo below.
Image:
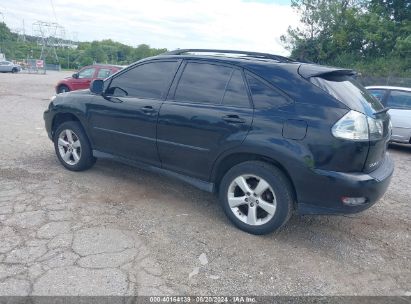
(253, 25)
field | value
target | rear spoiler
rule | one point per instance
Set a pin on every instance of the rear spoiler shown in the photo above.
(315, 70)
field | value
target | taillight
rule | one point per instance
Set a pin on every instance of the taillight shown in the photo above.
(376, 128)
(357, 127)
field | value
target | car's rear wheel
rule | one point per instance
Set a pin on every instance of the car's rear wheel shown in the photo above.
(14, 70)
(63, 89)
(257, 197)
(72, 147)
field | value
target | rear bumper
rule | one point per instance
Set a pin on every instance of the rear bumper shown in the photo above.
(328, 187)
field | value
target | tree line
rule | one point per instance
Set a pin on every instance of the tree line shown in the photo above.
(373, 36)
(105, 51)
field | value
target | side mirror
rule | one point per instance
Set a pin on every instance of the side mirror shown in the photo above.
(75, 75)
(97, 86)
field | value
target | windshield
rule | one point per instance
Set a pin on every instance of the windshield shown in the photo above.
(347, 90)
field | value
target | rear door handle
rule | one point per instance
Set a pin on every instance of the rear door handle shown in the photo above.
(234, 119)
(148, 109)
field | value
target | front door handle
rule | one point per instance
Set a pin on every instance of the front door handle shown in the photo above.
(234, 119)
(148, 109)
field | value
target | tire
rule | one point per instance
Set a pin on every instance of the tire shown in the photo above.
(272, 207)
(14, 70)
(63, 89)
(74, 153)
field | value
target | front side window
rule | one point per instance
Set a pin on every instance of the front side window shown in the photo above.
(86, 73)
(377, 93)
(103, 73)
(263, 95)
(203, 83)
(399, 100)
(150, 80)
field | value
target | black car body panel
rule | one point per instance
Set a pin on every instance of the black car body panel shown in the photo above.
(196, 141)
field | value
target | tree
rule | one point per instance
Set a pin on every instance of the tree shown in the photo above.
(353, 33)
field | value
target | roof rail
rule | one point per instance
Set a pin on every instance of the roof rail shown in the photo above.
(246, 53)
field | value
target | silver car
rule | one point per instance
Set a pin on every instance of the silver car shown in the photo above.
(398, 99)
(8, 66)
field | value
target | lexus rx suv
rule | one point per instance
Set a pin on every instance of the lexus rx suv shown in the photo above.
(269, 135)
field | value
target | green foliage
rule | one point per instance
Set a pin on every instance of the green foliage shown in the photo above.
(373, 37)
(105, 51)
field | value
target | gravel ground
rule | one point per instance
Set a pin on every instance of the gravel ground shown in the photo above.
(118, 230)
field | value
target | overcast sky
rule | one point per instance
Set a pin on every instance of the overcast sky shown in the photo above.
(254, 25)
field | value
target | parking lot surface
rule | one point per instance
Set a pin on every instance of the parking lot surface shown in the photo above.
(118, 230)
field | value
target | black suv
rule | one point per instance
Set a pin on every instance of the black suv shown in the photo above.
(269, 135)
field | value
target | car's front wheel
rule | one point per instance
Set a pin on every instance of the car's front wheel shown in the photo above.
(62, 89)
(72, 147)
(257, 197)
(14, 70)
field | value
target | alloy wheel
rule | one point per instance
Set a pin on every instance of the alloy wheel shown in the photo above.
(69, 147)
(251, 199)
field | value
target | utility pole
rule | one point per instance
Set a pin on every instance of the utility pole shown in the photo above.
(24, 32)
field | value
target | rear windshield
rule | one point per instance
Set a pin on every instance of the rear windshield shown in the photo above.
(347, 90)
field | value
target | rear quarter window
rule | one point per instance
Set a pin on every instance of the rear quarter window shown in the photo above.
(263, 95)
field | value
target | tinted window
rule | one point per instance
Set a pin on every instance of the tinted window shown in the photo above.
(149, 80)
(236, 92)
(203, 82)
(379, 94)
(347, 90)
(399, 100)
(264, 97)
(103, 73)
(86, 73)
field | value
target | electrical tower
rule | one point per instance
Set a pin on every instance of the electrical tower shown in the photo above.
(50, 35)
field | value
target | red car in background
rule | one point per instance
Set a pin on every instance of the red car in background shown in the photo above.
(82, 79)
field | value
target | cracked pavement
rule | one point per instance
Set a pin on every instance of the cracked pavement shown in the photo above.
(118, 230)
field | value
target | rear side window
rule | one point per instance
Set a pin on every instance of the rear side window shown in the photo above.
(399, 100)
(203, 83)
(149, 80)
(347, 90)
(264, 96)
(236, 92)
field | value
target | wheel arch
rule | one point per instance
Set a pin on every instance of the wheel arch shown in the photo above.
(226, 162)
(63, 84)
(60, 118)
